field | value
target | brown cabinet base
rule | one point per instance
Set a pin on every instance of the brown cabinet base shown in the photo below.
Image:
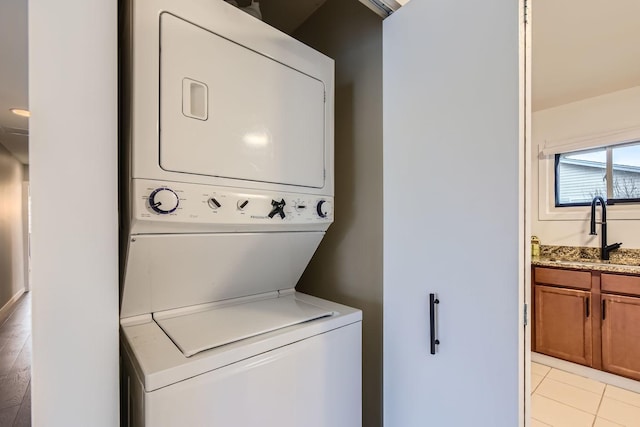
(621, 336)
(563, 323)
(578, 323)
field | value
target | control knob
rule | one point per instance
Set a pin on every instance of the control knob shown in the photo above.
(242, 204)
(277, 208)
(213, 203)
(163, 200)
(299, 206)
(323, 208)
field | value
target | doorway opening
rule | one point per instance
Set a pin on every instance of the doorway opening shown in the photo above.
(15, 286)
(584, 86)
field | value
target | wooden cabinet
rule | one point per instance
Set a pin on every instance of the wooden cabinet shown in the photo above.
(563, 323)
(621, 335)
(588, 317)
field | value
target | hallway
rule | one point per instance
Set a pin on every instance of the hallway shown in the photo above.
(15, 365)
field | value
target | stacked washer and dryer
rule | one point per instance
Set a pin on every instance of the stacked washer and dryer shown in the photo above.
(227, 190)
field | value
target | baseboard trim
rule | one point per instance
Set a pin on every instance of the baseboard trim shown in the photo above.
(5, 311)
(583, 371)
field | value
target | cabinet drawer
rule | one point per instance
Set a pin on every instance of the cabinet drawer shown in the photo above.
(565, 278)
(619, 283)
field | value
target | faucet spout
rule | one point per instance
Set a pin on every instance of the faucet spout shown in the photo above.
(594, 202)
(605, 249)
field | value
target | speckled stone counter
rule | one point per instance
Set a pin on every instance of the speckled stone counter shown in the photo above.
(626, 261)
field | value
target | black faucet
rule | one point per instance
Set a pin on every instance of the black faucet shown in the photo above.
(604, 249)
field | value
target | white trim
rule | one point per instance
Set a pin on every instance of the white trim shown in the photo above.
(547, 210)
(584, 371)
(524, 215)
(7, 307)
(593, 140)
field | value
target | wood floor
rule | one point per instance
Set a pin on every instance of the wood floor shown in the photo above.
(15, 365)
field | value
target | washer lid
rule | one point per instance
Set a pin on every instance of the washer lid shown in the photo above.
(217, 326)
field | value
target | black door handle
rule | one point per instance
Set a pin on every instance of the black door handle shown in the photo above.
(433, 301)
(604, 308)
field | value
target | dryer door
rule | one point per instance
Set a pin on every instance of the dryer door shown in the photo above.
(227, 111)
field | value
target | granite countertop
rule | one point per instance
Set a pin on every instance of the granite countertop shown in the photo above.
(585, 258)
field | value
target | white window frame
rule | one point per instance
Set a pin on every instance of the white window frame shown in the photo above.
(547, 210)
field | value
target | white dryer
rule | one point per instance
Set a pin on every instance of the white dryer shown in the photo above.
(226, 192)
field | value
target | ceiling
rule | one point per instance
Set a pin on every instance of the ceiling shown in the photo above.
(13, 77)
(582, 49)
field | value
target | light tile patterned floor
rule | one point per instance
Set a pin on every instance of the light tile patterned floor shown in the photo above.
(561, 399)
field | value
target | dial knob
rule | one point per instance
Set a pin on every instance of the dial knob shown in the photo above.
(213, 203)
(163, 200)
(323, 208)
(242, 204)
(278, 208)
(300, 206)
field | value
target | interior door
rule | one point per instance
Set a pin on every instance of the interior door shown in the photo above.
(453, 213)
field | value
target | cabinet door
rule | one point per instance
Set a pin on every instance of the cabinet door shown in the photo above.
(563, 323)
(621, 335)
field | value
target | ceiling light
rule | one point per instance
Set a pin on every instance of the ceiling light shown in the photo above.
(20, 112)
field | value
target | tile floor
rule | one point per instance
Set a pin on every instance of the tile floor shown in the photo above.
(15, 365)
(561, 399)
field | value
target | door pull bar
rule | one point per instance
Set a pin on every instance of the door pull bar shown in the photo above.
(433, 302)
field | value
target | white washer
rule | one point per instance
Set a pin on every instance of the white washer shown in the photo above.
(302, 375)
(227, 191)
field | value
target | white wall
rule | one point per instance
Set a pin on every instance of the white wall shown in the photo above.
(11, 227)
(348, 265)
(73, 159)
(616, 110)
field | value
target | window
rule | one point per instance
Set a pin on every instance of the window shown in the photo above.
(610, 172)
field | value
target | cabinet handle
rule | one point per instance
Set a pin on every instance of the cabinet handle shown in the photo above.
(433, 301)
(586, 306)
(604, 308)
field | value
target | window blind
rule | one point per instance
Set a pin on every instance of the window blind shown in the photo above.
(594, 140)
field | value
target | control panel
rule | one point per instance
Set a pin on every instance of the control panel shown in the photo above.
(195, 203)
